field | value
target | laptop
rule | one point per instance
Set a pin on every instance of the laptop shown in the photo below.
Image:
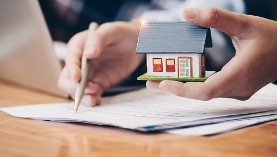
(26, 49)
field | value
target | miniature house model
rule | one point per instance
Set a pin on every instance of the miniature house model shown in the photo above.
(174, 50)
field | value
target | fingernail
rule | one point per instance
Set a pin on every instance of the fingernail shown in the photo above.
(190, 13)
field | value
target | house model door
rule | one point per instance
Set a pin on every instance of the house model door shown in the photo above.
(184, 67)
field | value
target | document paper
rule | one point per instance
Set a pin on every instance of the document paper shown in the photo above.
(153, 110)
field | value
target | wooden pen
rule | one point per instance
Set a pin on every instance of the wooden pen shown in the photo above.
(85, 69)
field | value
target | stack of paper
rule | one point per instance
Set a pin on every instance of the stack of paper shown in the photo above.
(154, 110)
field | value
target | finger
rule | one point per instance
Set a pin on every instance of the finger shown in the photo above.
(69, 85)
(231, 23)
(101, 78)
(70, 88)
(74, 71)
(152, 84)
(193, 90)
(92, 97)
(91, 88)
(91, 100)
(65, 83)
(74, 54)
(189, 90)
(105, 35)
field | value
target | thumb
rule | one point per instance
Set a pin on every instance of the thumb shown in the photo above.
(233, 24)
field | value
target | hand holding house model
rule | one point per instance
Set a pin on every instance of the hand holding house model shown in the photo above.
(174, 51)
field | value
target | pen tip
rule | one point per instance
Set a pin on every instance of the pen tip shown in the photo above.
(75, 109)
(76, 105)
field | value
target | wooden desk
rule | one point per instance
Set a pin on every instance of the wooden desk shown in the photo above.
(24, 137)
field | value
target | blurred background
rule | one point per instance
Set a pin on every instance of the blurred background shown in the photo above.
(68, 17)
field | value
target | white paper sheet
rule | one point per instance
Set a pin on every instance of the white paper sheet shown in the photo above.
(148, 110)
(221, 127)
(267, 95)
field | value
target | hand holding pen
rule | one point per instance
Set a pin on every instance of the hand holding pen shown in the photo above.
(112, 51)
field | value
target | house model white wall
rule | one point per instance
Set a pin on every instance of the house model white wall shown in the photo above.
(175, 65)
(174, 49)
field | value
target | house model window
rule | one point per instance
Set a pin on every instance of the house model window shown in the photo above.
(185, 66)
(170, 65)
(157, 65)
(174, 50)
